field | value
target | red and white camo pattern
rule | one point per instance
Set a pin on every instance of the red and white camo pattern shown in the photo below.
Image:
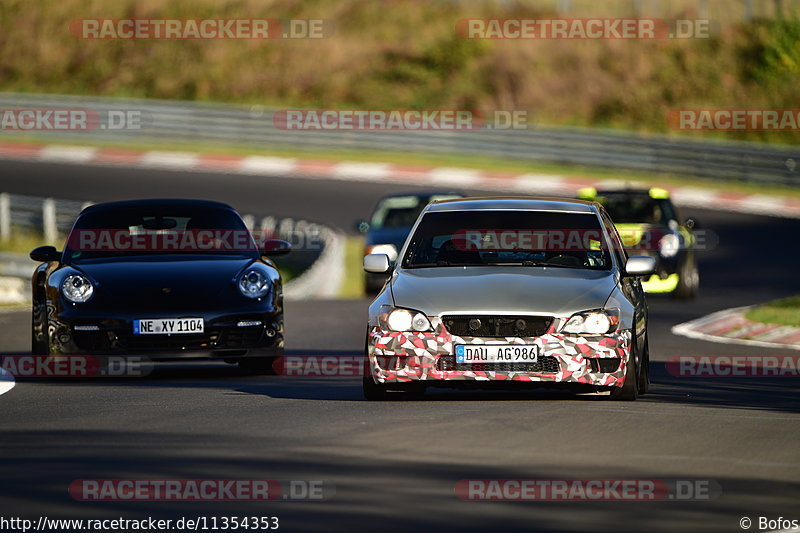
(416, 354)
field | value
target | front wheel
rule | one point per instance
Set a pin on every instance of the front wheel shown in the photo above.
(688, 281)
(376, 392)
(644, 374)
(39, 342)
(633, 376)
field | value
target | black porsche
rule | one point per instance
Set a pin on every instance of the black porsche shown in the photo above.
(169, 279)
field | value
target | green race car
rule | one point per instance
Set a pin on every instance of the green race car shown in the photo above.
(650, 225)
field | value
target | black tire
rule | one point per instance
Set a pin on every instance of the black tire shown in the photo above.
(688, 280)
(38, 347)
(374, 392)
(394, 391)
(630, 388)
(258, 366)
(644, 374)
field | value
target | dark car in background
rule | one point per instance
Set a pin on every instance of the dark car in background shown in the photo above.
(390, 223)
(169, 279)
(649, 224)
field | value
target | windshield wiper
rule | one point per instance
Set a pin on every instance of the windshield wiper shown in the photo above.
(441, 264)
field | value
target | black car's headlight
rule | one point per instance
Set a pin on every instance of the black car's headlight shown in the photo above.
(77, 288)
(400, 319)
(254, 284)
(596, 322)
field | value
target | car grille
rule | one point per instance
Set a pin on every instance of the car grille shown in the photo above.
(241, 337)
(113, 340)
(92, 341)
(544, 365)
(202, 341)
(497, 325)
(605, 365)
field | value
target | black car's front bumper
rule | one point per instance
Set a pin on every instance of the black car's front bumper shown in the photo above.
(224, 336)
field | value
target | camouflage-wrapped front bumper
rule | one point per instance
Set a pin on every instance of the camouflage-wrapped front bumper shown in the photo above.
(396, 357)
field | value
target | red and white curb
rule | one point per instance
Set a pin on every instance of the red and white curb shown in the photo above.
(731, 327)
(384, 173)
(6, 381)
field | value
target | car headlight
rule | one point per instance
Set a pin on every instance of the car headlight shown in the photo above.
(596, 322)
(254, 284)
(669, 245)
(77, 288)
(388, 249)
(399, 319)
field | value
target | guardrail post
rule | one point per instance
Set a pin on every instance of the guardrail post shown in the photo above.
(748, 10)
(285, 228)
(49, 227)
(249, 221)
(5, 216)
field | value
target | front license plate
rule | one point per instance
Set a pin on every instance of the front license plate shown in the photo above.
(167, 326)
(496, 353)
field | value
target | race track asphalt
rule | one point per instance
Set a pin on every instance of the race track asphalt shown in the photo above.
(395, 465)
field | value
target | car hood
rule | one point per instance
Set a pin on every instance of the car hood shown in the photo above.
(155, 282)
(482, 289)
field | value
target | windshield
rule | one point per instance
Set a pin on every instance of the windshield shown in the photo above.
(143, 230)
(630, 209)
(513, 238)
(402, 211)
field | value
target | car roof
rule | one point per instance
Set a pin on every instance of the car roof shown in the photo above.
(519, 203)
(156, 202)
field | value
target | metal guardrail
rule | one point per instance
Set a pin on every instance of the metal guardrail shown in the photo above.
(37, 215)
(227, 124)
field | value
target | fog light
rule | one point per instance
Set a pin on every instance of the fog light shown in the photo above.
(64, 338)
(248, 323)
(88, 327)
(271, 332)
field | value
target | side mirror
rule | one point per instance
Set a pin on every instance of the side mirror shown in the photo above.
(640, 265)
(276, 247)
(376, 263)
(45, 254)
(362, 226)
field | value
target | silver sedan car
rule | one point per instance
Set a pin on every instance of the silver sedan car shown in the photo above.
(510, 292)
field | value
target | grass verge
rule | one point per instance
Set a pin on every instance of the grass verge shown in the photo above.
(785, 312)
(23, 243)
(353, 283)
